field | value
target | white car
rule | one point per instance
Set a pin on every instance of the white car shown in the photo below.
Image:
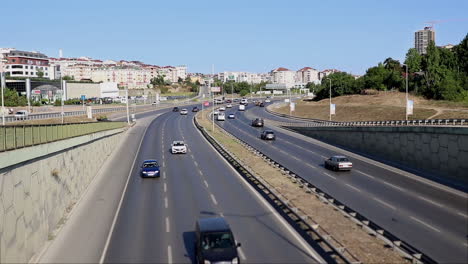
(241, 107)
(267, 101)
(216, 112)
(221, 117)
(222, 108)
(244, 102)
(229, 106)
(231, 116)
(21, 114)
(184, 111)
(178, 146)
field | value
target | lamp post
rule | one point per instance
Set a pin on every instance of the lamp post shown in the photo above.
(2, 80)
(406, 107)
(128, 112)
(330, 97)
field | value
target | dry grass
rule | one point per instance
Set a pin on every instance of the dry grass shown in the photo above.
(364, 247)
(378, 106)
(67, 119)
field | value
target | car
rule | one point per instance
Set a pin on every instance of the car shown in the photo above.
(178, 146)
(219, 101)
(268, 135)
(231, 116)
(262, 104)
(184, 111)
(257, 103)
(175, 109)
(154, 103)
(195, 109)
(221, 117)
(229, 106)
(215, 242)
(21, 115)
(338, 163)
(228, 101)
(241, 107)
(267, 100)
(150, 168)
(216, 112)
(236, 100)
(244, 102)
(222, 108)
(257, 122)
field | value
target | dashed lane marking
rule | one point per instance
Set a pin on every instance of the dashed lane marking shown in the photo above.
(165, 187)
(393, 186)
(206, 183)
(169, 254)
(384, 203)
(165, 202)
(462, 214)
(365, 174)
(196, 163)
(241, 254)
(329, 175)
(355, 188)
(168, 227)
(430, 201)
(424, 223)
(214, 199)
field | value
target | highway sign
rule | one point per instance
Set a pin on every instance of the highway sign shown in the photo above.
(216, 89)
(409, 107)
(83, 97)
(332, 109)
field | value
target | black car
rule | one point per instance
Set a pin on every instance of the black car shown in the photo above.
(215, 242)
(268, 135)
(262, 104)
(195, 109)
(175, 109)
(258, 122)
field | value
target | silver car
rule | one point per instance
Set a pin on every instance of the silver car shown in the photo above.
(338, 163)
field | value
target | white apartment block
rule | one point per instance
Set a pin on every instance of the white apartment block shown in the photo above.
(283, 76)
(307, 75)
(18, 63)
(242, 77)
(133, 78)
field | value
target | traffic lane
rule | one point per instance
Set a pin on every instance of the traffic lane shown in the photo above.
(156, 111)
(358, 198)
(449, 200)
(263, 237)
(138, 235)
(262, 113)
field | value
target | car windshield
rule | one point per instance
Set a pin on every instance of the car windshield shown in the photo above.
(269, 132)
(20, 113)
(153, 164)
(178, 144)
(217, 241)
(343, 159)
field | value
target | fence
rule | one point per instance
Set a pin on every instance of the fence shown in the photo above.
(13, 137)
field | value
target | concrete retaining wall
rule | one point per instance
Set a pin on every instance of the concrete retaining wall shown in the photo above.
(36, 193)
(442, 151)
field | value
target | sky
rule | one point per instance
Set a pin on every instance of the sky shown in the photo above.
(240, 35)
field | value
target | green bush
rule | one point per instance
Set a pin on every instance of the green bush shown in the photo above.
(244, 92)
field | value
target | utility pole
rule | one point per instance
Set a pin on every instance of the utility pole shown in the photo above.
(128, 112)
(406, 106)
(63, 96)
(2, 79)
(330, 97)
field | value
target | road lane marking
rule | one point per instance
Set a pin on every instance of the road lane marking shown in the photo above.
(424, 223)
(164, 175)
(355, 188)
(169, 254)
(430, 201)
(333, 177)
(241, 253)
(114, 221)
(165, 202)
(365, 174)
(466, 244)
(206, 183)
(164, 163)
(393, 186)
(462, 214)
(312, 166)
(165, 187)
(196, 163)
(168, 227)
(384, 203)
(214, 200)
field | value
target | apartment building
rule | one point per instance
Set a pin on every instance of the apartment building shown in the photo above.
(242, 77)
(308, 75)
(327, 72)
(422, 38)
(24, 63)
(283, 76)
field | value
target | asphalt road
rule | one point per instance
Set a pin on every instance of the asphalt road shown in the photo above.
(433, 219)
(157, 217)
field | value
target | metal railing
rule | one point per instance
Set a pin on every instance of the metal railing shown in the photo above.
(20, 136)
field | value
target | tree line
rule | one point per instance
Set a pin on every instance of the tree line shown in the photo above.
(440, 74)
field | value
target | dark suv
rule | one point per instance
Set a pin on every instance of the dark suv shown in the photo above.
(175, 109)
(215, 242)
(195, 109)
(258, 122)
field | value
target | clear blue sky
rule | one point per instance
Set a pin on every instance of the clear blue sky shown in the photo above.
(241, 35)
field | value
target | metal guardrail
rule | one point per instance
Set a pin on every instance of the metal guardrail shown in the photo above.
(329, 252)
(20, 136)
(374, 229)
(420, 122)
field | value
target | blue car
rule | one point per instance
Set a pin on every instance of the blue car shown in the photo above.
(150, 168)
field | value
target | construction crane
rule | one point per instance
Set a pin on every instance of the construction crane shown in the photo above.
(433, 22)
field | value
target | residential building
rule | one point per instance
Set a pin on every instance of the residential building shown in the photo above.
(283, 76)
(308, 75)
(327, 72)
(24, 63)
(422, 38)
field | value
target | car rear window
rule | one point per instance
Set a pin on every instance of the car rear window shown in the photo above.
(217, 240)
(150, 165)
(343, 159)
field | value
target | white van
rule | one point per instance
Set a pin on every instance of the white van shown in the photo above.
(244, 102)
(221, 117)
(21, 115)
(241, 107)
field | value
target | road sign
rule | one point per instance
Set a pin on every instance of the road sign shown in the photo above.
(216, 89)
(409, 107)
(83, 97)
(332, 109)
(292, 106)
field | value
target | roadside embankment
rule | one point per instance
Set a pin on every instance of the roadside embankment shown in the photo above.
(40, 184)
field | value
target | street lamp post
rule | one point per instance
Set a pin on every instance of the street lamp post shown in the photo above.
(406, 107)
(330, 98)
(2, 79)
(128, 112)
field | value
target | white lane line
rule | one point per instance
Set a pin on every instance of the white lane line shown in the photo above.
(333, 177)
(164, 163)
(168, 227)
(200, 172)
(466, 244)
(385, 203)
(165, 202)
(355, 188)
(312, 166)
(323, 156)
(165, 187)
(424, 223)
(114, 221)
(462, 214)
(365, 174)
(169, 254)
(196, 163)
(214, 200)
(206, 183)
(164, 175)
(241, 254)
(394, 186)
(430, 201)
(221, 214)
(191, 156)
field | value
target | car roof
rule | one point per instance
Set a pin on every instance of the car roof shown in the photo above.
(268, 131)
(339, 156)
(150, 161)
(177, 141)
(213, 224)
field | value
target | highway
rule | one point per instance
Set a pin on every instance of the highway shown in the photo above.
(155, 218)
(433, 219)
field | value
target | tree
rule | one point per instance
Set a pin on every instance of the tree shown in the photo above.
(159, 80)
(40, 73)
(413, 60)
(374, 77)
(180, 80)
(12, 98)
(342, 83)
(68, 78)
